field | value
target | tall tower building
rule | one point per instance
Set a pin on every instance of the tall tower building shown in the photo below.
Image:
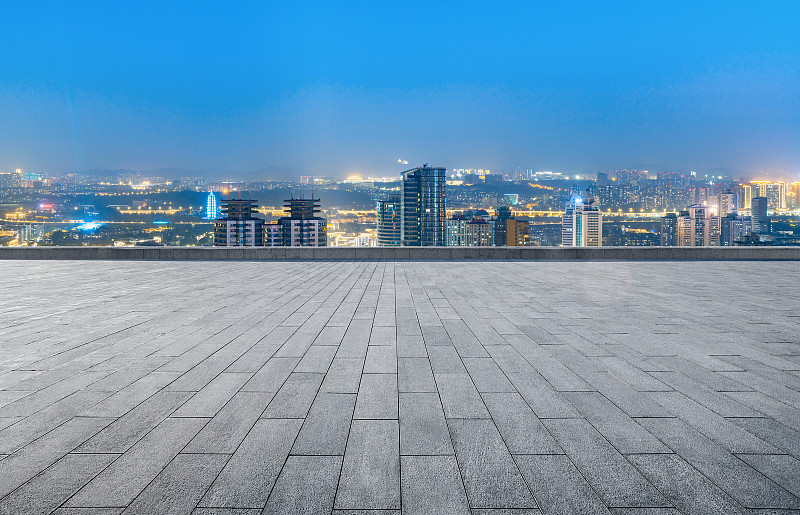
(302, 227)
(697, 229)
(669, 230)
(582, 223)
(212, 208)
(759, 218)
(776, 195)
(501, 226)
(727, 204)
(389, 221)
(238, 227)
(518, 233)
(424, 218)
(747, 196)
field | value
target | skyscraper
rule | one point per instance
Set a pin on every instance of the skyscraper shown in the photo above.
(518, 233)
(212, 209)
(423, 223)
(760, 220)
(500, 226)
(389, 221)
(238, 227)
(696, 228)
(302, 227)
(582, 223)
(669, 230)
(476, 232)
(727, 203)
(747, 196)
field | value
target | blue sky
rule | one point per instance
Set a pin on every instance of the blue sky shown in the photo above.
(331, 88)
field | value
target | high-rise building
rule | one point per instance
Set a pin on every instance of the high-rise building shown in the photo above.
(212, 208)
(727, 203)
(582, 223)
(238, 227)
(518, 233)
(500, 226)
(456, 231)
(734, 228)
(389, 221)
(760, 219)
(302, 227)
(669, 230)
(747, 196)
(696, 228)
(424, 215)
(476, 232)
(776, 195)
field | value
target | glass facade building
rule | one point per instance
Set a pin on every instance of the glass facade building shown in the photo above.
(424, 217)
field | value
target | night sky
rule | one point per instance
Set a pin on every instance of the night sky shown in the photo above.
(282, 89)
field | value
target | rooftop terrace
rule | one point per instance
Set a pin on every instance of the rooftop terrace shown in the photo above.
(428, 386)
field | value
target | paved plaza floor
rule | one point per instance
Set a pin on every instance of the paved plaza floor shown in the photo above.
(428, 387)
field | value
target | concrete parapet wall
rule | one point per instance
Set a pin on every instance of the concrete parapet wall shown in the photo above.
(400, 253)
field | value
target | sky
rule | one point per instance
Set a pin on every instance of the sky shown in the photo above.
(271, 89)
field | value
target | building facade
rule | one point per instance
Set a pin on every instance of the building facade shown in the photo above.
(669, 230)
(696, 228)
(424, 215)
(518, 233)
(302, 227)
(582, 223)
(760, 218)
(238, 227)
(389, 222)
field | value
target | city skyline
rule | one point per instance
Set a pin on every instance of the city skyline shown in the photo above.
(284, 91)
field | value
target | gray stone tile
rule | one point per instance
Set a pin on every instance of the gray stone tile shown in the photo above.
(377, 397)
(522, 432)
(558, 486)
(123, 480)
(423, 429)
(684, 486)
(729, 435)
(226, 430)
(623, 432)
(294, 398)
(344, 376)
(514, 343)
(22, 465)
(490, 476)
(415, 375)
(327, 425)
(249, 475)
(307, 484)
(54, 485)
(272, 375)
(783, 469)
(432, 485)
(459, 396)
(615, 480)
(129, 429)
(381, 360)
(212, 397)
(487, 376)
(736, 478)
(181, 484)
(371, 471)
(316, 359)
(773, 432)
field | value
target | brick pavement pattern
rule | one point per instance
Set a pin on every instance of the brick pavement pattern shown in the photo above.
(416, 387)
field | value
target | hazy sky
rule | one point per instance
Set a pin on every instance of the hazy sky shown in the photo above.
(331, 88)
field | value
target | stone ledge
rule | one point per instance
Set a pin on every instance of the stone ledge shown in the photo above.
(404, 253)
